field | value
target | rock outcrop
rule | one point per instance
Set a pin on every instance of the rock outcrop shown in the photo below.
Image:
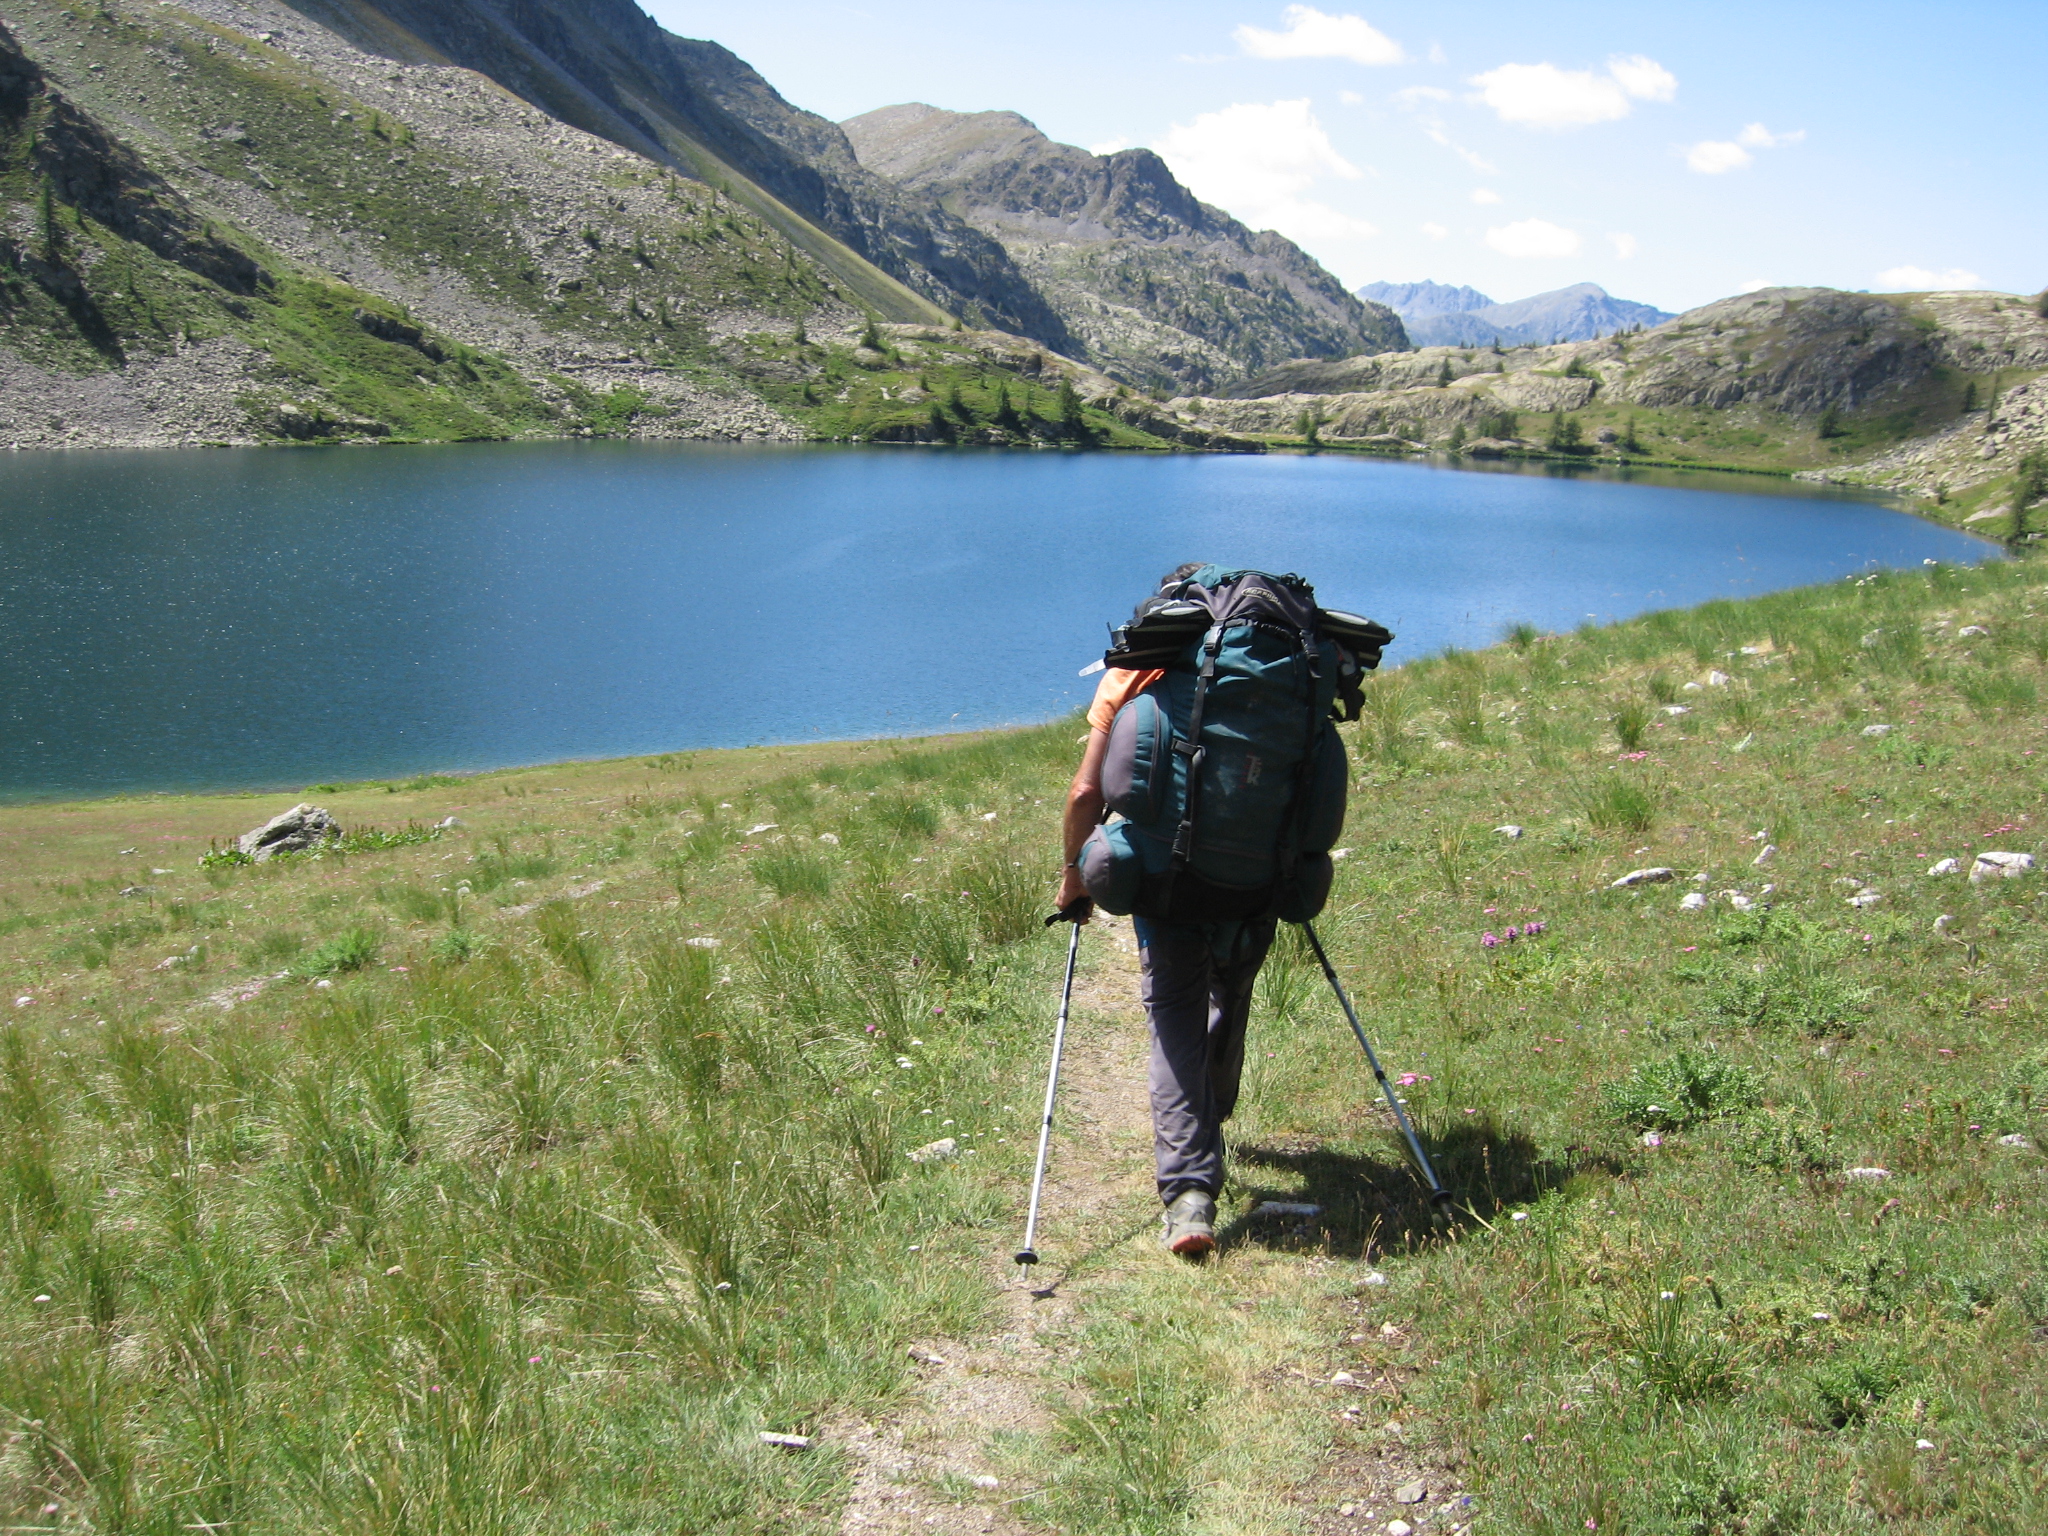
(302, 827)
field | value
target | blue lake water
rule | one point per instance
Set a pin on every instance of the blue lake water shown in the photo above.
(267, 618)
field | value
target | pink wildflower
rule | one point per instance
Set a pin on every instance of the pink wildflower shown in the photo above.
(1489, 940)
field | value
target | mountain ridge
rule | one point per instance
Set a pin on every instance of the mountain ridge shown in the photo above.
(1156, 286)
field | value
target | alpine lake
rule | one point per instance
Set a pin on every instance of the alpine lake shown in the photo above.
(266, 618)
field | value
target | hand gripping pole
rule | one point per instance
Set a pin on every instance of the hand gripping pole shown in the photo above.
(1438, 1195)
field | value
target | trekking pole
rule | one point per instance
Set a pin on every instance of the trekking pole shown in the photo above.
(1438, 1195)
(1028, 1255)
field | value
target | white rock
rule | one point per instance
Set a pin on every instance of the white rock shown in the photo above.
(1971, 629)
(1373, 1277)
(1866, 898)
(1718, 679)
(1943, 923)
(1770, 851)
(703, 941)
(1867, 1175)
(1876, 730)
(1848, 883)
(765, 826)
(1701, 878)
(2015, 1140)
(1693, 901)
(1654, 876)
(1946, 867)
(988, 815)
(986, 1482)
(945, 1149)
(449, 821)
(2000, 866)
(1677, 709)
(1923, 1445)
(1509, 831)
(1400, 1528)
(787, 1442)
(1342, 1379)
(1692, 688)
(1286, 1208)
(829, 838)
(1738, 901)
(322, 982)
(1340, 853)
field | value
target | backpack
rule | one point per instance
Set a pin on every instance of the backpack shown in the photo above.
(1227, 774)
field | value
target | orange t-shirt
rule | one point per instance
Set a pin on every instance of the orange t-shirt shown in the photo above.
(1118, 687)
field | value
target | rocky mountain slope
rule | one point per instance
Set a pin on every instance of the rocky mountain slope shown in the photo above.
(223, 222)
(1153, 285)
(1930, 395)
(1437, 315)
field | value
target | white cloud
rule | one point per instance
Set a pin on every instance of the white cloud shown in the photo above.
(1714, 157)
(1435, 231)
(1312, 35)
(1920, 280)
(1407, 96)
(1258, 160)
(1624, 245)
(1533, 238)
(1351, 98)
(1544, 96)
(1757, 136)
(1711, 157)
(1485, 196)
(1109, 146)
(1436, 54)
(1756, 285)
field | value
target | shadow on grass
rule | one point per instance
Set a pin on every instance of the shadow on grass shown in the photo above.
(1375, 1202)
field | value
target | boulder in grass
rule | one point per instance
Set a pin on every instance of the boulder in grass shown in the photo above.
(296, 830)
(1946, 867)
(943, 1150)
(1657, 876)
(2000, 866)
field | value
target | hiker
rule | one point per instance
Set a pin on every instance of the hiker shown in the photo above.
(1268, 793)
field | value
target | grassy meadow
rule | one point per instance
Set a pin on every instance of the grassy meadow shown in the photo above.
(516, 1175)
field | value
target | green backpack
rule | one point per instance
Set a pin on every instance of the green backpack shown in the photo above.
(1226, 776)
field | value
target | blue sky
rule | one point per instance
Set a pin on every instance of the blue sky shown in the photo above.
(1672, 154)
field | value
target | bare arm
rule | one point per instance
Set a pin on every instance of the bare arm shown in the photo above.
(1083, 814)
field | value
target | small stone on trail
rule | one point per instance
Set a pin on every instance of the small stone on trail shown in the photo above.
(450, 821)
(1718, 679)
(987, 1482)
(1509, 831)
(1946, 867)
(787, 1442)
(1693, 901)
(1410, 1493)
(1286, 1208)
(1866, 898)
(1399, 1528)
(2000, 866)
(1876, 730)
(1347, 1509)
(940, 1151)
(1866, 1175)
(1656, 876)
(1770, 851)
(1943, 923)
(926, 1357)
(1342, 1379)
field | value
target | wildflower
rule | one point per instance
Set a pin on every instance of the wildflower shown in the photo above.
(533, 1359)
(1489, 940)
(1530, 930)
(1512, 934)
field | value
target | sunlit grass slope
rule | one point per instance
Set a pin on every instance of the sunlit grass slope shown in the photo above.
(450, 1186)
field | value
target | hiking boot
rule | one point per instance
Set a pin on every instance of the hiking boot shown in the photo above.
(1191, 1223)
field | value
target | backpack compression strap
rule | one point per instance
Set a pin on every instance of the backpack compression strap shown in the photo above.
(1190, 748)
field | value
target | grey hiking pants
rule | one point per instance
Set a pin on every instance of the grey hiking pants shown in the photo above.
(1198, 994)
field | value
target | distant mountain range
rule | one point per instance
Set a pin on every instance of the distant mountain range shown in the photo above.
(1439, 315)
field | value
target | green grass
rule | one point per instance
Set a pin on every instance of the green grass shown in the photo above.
(538, 1213)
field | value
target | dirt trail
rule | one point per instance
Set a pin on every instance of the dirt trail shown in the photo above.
(1098, 1195)
(915, 1469)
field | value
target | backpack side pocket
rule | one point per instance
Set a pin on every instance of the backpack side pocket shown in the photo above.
(1112, 868)
(1137, 768)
